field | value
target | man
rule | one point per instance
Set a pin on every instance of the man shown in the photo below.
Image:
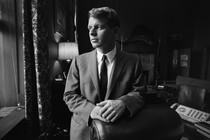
(85, 96)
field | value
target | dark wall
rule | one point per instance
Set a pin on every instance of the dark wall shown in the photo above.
(201, 41)
(176, 24)
(179, 24)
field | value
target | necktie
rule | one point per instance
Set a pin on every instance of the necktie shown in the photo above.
(103, 80)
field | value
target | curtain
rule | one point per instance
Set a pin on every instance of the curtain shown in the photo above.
(36, 70)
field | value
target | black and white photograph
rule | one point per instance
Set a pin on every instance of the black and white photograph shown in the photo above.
(105, 69)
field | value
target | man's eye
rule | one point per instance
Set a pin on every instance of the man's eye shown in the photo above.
(100, 27)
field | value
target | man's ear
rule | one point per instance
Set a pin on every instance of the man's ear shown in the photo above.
(116, 30)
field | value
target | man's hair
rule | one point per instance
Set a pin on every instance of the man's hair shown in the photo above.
(110, 15)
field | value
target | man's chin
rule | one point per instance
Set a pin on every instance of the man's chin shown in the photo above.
(95, 46)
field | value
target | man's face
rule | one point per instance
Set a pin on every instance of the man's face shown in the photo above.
(101, 35)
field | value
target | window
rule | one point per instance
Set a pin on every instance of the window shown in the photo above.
(11, 51)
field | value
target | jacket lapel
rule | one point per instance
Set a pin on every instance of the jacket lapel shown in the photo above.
(93, 70)
(116, 72)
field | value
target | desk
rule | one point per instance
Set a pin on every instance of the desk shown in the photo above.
(191, 133)
(169, 92)
(159, 96)
(151, 97)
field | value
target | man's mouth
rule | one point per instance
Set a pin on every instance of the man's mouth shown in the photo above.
(94, 40)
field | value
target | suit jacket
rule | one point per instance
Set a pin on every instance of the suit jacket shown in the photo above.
(82, 88)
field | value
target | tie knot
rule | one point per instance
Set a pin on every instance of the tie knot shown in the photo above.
(104, 58)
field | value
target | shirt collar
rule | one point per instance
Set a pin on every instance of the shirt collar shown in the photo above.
(110, 55)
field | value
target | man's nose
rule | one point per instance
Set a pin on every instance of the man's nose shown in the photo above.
(93, 32)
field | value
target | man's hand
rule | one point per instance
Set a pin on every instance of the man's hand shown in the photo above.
(111, 110)
(95, 114)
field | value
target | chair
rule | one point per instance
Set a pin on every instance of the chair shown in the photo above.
(152, 122)
(193, 93)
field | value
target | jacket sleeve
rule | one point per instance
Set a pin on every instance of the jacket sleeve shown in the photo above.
(134, 100)
(76, 103)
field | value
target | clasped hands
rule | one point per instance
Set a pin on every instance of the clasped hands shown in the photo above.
(108, 110)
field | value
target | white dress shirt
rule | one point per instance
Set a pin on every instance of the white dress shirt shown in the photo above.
(109, 63)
